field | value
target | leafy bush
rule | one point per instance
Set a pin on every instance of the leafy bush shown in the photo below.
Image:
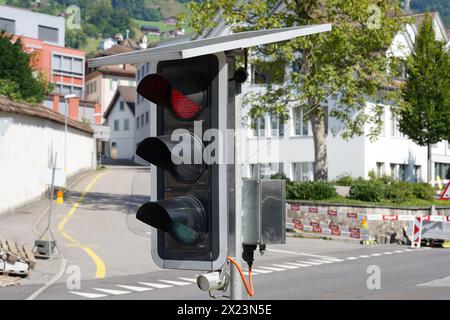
(423, 191)
(398, 191)
(364, 190)
(310, 190)
(344, 181)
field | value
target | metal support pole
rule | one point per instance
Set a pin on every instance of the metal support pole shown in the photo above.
(235, 180)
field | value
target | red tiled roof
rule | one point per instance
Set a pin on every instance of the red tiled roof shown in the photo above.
(39, 111)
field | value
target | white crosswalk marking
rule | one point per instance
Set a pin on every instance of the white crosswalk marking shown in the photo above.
(112, 291)
(134, 288)
(89, 295)
(156, 285)
(272, 268)
(299, 264)
(261, 271)
(351, 258)
(387, 252)
(398, 251)
(376, 254)
(334, 259)
(285, 266)
(310, 263)
(364, 256)
(321, 261)
(176, 283)
(193, 280)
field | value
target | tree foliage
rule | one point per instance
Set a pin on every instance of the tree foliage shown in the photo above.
(347, 65)
(425, 114)
(18, 80)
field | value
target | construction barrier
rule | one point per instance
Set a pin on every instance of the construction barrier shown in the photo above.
(362, 219)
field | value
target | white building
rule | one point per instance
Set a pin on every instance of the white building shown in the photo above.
(106, 44)
(120, 119)
(392, 154)
(293, 152)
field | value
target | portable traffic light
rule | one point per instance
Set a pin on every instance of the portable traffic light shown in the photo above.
(189, 207)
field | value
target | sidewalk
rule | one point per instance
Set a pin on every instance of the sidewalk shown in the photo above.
(18, 226)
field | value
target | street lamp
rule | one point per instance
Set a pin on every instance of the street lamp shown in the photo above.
(66, 97)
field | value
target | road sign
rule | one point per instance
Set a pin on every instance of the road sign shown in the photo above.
(190, 212)
(101, 132)
(59, 180)
(446, 193)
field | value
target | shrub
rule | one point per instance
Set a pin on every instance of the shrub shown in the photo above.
(423, 191)
(364, 190)
(344, 181)
(398, 191)
(310, 190)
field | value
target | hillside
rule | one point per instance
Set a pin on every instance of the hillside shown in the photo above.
(105, 18)
(442, 6)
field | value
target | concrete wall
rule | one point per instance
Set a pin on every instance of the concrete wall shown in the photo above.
(27, 150)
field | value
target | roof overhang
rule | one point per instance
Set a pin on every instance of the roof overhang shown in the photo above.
(190, 49)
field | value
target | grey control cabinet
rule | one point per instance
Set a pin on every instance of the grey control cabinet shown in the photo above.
(264, 211)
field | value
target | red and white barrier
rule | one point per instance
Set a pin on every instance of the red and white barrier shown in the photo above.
(357, 233)
(416, 237)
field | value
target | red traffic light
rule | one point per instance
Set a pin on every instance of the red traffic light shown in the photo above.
(183, 93)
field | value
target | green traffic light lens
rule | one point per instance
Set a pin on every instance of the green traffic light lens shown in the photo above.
(184, 234)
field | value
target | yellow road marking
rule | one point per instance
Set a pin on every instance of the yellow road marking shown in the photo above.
(100, 266)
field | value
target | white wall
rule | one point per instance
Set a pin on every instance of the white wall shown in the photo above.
(28, 148)
(124, 139)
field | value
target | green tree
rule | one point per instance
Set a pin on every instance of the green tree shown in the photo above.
(348, 65)
(18, 80)
(425, 114)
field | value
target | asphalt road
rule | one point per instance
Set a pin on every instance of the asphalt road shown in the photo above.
(108, 250)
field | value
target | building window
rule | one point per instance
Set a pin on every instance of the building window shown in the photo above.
(142, 120)
(67, 65)
(300, 125)
(380, 169)
(112, 84)
(139, 75)
(399, 171)
(8, 25)
(137, 123)
(265, 170)
(442, 170)
(116, 125)
(146, 117)
(259, 127)
(48, 34)
(303, 171)
(276, 127)
(122, 106)
(126, 124)
(417, 173)
(147, 67)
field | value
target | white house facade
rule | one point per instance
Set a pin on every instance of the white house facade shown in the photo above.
(120, 119)
(391, 154)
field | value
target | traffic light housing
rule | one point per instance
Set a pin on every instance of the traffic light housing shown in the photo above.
(189, 208)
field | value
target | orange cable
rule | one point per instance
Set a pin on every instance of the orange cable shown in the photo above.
(250, 290)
